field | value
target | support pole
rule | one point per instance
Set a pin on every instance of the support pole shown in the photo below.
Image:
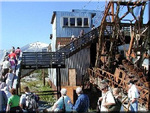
(58, 82)
(19, 84)
(43, 74)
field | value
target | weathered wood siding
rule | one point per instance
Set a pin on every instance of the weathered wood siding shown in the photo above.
(79, 61)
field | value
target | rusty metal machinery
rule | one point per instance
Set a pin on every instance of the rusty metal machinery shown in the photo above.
(121, 66)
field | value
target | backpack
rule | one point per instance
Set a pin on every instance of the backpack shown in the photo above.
(115, 107)
(31, 103)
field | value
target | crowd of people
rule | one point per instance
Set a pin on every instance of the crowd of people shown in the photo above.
(7, 76)
(63, 104)
(9, 66)
(111, 99)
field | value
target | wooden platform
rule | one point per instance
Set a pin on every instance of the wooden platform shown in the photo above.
(39, 60)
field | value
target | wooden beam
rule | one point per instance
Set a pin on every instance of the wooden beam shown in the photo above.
(112, 11)
(130, 3)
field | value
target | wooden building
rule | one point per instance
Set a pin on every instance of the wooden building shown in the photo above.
(64, 25)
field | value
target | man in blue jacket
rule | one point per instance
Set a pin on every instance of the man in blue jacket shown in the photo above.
(3, 101)
(82, 103)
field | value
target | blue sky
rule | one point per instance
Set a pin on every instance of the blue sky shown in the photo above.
(27, 22)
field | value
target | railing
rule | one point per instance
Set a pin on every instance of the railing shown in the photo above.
(37, 60)
(90, 37)
(80, 42)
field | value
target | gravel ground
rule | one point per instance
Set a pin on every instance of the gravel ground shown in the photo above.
(43, 105)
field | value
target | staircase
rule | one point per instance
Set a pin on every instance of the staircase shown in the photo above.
(89, 38)
(80, 43)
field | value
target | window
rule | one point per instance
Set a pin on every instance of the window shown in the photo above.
(79, 21)
(72, 21)
(85, 21)
(65, 21)
(75, 22)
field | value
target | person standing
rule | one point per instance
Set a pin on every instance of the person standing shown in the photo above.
(7, 92)
(72, 43)
(12, 54)
(13, 64)
(82, 103)
(3, 101)
(61, 104)
(107, 98)
(2, 83)
(13, 48)
(13, 103)
(81, 33)
(133, 96)
(5, 66)
(28, 101)
(93, 27)
(9, 78)
(17, 52)
(58, 46)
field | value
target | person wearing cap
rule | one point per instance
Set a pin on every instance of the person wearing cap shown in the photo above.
(133, 96)
(105, 81)
(107, 98)
(58, 106)
(82, 103)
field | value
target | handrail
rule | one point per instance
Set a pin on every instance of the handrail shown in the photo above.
(78, 42)
(91, 36)
(35, 60)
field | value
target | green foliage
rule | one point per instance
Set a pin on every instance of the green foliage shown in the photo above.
(41, 72)
(37, 87)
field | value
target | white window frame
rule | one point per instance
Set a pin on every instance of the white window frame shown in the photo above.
(75, 22)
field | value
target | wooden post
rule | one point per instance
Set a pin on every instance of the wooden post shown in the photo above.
(112, 12)
(58, 82)
(43, 74)
(19, 84)
(59, 79)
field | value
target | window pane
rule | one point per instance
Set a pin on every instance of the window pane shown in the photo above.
(85, 21)
(72, 21)
(79, 21)
(65, 21)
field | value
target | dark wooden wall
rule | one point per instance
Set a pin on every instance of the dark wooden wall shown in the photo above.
(79, 61)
